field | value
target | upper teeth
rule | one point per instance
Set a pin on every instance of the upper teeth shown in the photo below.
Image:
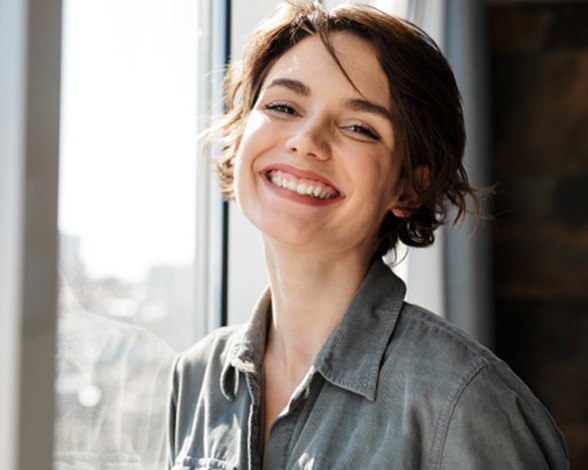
(306, 188)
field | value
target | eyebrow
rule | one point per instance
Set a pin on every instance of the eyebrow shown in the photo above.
(355, 104)
(294, 85)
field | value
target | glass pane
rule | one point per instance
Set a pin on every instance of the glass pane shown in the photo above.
(127, 224)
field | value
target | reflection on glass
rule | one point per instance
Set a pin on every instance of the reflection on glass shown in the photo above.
(127, 226)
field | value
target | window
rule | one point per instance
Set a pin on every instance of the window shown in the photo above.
(135, 79)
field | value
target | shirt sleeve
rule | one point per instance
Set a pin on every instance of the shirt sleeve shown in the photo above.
(497, 423)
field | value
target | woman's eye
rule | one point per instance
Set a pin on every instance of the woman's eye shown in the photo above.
(364, 131)
(281, 108)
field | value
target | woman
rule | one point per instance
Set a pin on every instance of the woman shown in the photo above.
(344, 135)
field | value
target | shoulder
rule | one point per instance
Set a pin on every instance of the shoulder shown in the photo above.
(422, 339)
(207, 356)
(486, 417)
(433, 361)
(497, 409)
(214, 343)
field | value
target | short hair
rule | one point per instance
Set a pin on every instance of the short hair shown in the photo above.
(426, 112)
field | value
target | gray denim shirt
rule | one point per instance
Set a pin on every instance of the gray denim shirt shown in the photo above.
(394, 387)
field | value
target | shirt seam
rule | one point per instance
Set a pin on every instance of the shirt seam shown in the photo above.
(480, 360)
(445, 418)
(448, 329)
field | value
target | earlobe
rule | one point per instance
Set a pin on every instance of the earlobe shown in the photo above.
(404, 207)
(401, 212)
(408, 200)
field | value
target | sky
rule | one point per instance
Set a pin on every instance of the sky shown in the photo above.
(128, 133)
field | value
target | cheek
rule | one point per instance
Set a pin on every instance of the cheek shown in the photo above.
(256, 121)
(382, 181)
(252, 140)
(376, 169)
(239, 176)
(258, 136)
(244, 171)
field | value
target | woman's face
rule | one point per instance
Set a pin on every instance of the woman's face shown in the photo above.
(315, 165)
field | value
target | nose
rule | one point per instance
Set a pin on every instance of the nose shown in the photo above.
(310, 139)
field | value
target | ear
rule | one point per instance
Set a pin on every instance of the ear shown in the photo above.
(407, 200)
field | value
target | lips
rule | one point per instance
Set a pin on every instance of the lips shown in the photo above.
(302, 183)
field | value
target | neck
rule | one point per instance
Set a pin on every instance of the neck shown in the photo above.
(310, 293)
(311, 290)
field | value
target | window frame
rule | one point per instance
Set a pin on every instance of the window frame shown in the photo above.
(30, 74)
(29, 122)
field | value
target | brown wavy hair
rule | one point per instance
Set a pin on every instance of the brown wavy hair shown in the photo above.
(426, 114)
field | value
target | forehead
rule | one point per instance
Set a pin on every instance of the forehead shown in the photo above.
(310, 61)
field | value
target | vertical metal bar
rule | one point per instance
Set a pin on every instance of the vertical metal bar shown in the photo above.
(39, 288)
(224, 308)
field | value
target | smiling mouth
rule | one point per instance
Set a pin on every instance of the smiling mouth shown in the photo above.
(302, 186)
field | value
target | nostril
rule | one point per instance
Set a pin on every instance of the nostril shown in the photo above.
(308, 143)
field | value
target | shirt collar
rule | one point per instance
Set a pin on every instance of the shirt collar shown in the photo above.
(353, 353)
(247, 348)
(352, 356)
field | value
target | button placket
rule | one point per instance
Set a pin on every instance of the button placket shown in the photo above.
(253, 421)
